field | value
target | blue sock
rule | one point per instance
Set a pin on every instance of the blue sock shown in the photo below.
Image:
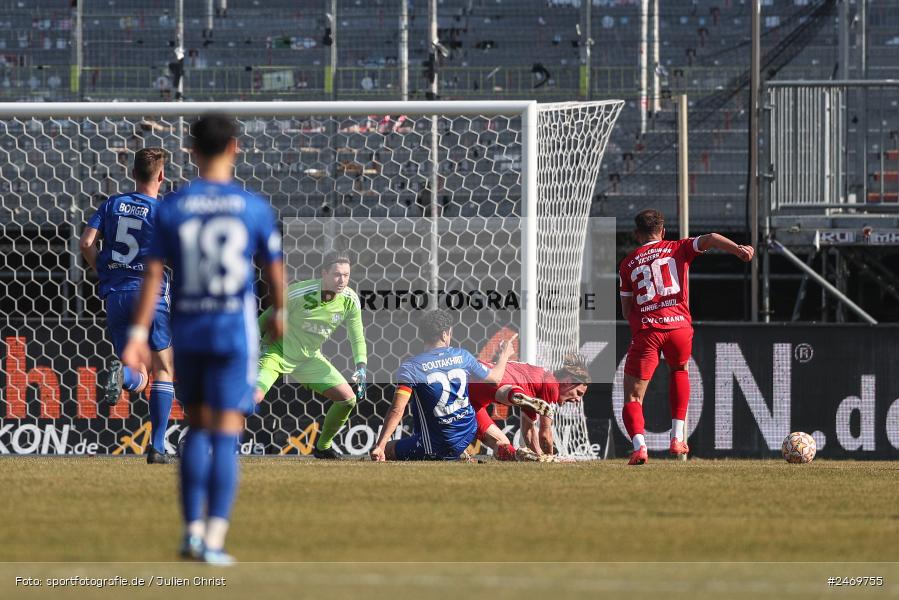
(195, 461)
(161, 395)
(223, 475)
(131, 379)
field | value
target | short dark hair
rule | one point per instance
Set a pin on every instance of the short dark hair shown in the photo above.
(650, 222)
(335, 257)
(433, 323)
(148, 162)
(211, 134)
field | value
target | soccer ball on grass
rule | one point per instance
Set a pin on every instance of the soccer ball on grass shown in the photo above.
(799, 447)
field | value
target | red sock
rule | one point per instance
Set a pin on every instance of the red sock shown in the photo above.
(632, 413)
(679, 394)
(505, 452)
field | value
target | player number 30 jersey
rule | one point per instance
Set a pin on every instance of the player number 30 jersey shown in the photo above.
(655, 274)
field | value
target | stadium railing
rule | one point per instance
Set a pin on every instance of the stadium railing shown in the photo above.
(833, 145)
(56, 82)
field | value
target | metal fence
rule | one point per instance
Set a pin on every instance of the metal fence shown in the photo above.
(833, 145)
(291, 82)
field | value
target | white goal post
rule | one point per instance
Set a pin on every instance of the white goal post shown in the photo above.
(508, 174)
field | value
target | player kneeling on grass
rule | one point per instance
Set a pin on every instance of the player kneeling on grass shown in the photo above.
(125, 223)
(437, 382)
(535, 390)
(317, 307)
(210, 231)
(655, 301)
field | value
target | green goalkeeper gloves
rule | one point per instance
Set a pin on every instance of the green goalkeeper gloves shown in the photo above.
(360, 379)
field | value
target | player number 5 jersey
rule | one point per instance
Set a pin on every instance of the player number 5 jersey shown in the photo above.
(126, 223)
(655, 274)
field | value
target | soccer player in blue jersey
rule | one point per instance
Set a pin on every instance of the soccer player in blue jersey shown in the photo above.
(125, 224)
(209, 232)
(437, 382)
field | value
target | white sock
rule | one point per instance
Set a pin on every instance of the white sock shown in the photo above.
(639, 441)
(196, 528)
(677, 429)
(216, 530)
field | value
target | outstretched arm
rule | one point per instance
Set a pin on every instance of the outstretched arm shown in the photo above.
(529, 434)
(506, 350)
(356, 334)
(394, 416)
(716, 240)
(546, 435)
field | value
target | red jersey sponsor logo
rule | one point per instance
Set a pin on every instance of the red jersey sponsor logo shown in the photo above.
(655, 275)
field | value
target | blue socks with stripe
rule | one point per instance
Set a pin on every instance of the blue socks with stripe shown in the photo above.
(209, 483)
(161, 395)
(131, 379)
(223, 475)
(195, 462)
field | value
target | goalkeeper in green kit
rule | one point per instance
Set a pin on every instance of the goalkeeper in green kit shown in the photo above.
(315, 308)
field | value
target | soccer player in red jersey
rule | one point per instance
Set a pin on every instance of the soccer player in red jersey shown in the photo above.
(655, 301)
(534, 390)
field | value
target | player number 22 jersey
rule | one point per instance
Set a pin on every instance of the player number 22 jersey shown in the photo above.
(655, 274)
(438, 381)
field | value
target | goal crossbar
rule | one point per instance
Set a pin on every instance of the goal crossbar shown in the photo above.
(487, 108)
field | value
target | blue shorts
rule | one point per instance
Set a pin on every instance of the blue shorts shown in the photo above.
(412, 448)
(119, 311)
(219, 381)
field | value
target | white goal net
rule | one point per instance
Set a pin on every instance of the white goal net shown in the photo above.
(572, 143)
(450, 198)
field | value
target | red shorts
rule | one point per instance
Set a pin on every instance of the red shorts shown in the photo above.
(643, 353)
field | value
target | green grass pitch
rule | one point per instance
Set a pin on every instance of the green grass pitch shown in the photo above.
(601, 519)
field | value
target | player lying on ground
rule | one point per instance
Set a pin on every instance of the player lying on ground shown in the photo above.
(209, 232)
(125, 224)
(316, 308)
(535, 390)
(655, 301)
(437, 381)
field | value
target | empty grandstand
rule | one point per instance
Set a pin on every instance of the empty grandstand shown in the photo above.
(350, 49)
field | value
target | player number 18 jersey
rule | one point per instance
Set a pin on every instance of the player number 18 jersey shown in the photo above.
(209, 233)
